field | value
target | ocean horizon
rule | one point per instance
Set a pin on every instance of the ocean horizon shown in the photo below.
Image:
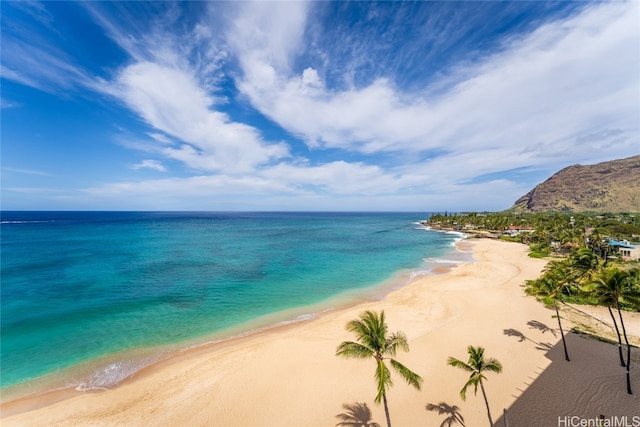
(91, 298)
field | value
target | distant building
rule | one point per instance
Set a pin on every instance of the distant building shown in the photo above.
(630, 254)
(627, 251)
(516, 230)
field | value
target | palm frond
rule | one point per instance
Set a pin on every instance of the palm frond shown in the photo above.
(354, 350)
(476, 366)
(463, 391)
(612, 286)
(370, 329)
(476, 357)
(373, 342)
(395, 341)
(409, 376)
(383, 380)
(456, 363)
(493, 365)
(362, 332)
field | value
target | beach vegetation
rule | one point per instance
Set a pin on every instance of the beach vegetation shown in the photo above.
(539, 253)
(373, 341)
(612, 286)
(555, 282)
(555, 232)
(477, 365)
(577, 273)
(586, 265)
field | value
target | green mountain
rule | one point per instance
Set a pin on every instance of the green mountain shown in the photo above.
(612, 186)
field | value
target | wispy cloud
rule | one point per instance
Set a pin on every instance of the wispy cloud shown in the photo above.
(382, 120)
(149, 164)
(25, 171)
(5, 103)
(541, 93)
(30, 59)
(272, 191)
(34, 190)
(171, 101)
(535, 103)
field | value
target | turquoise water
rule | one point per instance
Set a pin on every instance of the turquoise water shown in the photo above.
(106, 293)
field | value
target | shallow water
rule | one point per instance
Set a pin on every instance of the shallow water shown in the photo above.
(108, 293)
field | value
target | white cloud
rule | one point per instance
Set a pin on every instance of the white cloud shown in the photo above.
(533, 104)
(567, 92)
(172, 101)
(340, 178)
(278, 190)
(37, 63)
(25, 171)
(271, 31)
(149, 164)
(5, 103)
(160, 138)
(559, 94)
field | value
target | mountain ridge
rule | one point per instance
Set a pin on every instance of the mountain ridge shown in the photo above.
(611, 186)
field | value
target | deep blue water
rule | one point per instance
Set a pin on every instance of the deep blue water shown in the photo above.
(98, 286)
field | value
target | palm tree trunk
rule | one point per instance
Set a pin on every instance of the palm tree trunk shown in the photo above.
(564, 343)
(484, 394)
(624, 332)
(615, 324)
(386, 409)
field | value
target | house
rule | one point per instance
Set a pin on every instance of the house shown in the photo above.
(630, 254)
(627, 251)
(516, 230)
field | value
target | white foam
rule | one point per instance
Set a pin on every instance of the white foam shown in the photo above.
(113, 374)
(300, 318)
(446, 261)
(304, 317)
(420, 273)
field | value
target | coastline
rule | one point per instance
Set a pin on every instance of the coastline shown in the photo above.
(289, 375)
(78, 380)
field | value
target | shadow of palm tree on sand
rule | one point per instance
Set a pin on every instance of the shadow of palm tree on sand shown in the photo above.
(516, 333)
(452, 411)
(544, 346)
(534, 324)
(356, 415)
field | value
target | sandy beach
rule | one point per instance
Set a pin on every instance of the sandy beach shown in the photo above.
(290, 376)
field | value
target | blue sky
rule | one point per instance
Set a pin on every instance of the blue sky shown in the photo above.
(424, 106)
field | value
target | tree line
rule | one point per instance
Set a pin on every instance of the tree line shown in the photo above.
(558, 232)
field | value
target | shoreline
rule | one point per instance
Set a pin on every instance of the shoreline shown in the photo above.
(290, 376)
(49, 390)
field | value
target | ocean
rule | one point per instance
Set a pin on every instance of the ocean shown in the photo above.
(90, 298)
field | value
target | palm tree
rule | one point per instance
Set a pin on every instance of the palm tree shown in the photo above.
(373, 342)
(583, 262)
(453, 412)
(557, 280)
(602, 288)
(611, 287)
(476, 365)
(356, 415)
